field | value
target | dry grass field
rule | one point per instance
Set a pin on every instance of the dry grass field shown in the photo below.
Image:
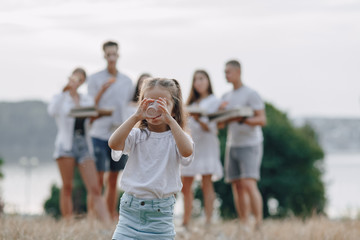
(18, 227)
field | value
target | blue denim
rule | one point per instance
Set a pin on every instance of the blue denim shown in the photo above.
(144, 219)
(79, 150)
(103, 160)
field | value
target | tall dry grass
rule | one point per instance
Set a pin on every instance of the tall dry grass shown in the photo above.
(19, 227)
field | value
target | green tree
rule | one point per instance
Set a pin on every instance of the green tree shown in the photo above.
(290, 172)
(291, 167)
(1, 163)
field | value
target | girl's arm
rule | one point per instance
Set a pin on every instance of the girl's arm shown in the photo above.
(117, 139)
(182, 142)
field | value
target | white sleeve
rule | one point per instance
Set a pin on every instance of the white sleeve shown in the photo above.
(55, 104)
(129, 143)
(185, 161)
(256, 102)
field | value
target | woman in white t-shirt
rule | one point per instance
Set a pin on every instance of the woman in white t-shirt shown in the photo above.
(156, 150)
(207, 149)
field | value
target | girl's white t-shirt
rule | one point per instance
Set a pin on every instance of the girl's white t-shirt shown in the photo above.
(153, 167)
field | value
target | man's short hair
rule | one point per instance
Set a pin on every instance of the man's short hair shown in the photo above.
(234, 63)
(110, 44)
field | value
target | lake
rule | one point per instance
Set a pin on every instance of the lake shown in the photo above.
(24, 191)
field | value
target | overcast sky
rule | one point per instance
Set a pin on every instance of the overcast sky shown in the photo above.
(302, 56)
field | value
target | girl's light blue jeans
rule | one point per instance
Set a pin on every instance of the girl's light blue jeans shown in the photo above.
(145, 219)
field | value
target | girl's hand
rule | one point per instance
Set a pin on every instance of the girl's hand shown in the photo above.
(141, 111)
(166, 116)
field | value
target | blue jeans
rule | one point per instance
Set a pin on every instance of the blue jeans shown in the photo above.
(145, 219)
(103, 160)
(79, 150)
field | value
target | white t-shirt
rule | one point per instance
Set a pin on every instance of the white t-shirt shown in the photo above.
(243, 135)
(116, 97)
(153, 167)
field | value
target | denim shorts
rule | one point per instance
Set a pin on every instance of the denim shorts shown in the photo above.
(144, 219)
(79, 151)
(103, 160)
(243, 162)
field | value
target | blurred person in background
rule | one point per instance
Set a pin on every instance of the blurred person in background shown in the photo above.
(244, 146)
(110, 89)
(71, 146)
(206, 164)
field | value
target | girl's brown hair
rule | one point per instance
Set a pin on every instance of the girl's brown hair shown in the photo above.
(194, 95)
(174, 89)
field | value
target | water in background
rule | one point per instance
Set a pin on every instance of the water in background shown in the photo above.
(342, 179)
(25, 191)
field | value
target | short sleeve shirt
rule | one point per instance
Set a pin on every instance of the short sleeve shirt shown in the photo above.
(153, 167)
(116, 97)
(242, 135)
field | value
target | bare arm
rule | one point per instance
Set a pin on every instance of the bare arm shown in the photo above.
(117, 139)
(182, 142)
(203, 125)
(101, 92)
(259, 119)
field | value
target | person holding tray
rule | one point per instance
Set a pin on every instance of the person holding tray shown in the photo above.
(244, 145)
(71, 147)
(112, 89)
(206, 164)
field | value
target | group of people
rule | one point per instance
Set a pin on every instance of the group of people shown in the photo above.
(158, 155)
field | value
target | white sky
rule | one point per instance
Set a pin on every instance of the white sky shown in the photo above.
(302, 56)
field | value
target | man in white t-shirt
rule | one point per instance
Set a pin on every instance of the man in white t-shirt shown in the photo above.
(111, 90)
(244, 145)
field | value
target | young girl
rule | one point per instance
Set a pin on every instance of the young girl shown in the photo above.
(71, 146)
(152, 174)
(207, 152)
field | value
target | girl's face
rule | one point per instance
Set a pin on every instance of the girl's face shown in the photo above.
(156, 93)
(201, 83)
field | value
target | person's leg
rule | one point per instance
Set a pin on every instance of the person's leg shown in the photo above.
(90, 202)
(209, 196)
(111, 195)
(243, 201)
(188, 198)
(100, 157)
(88, 173)
(66, 166)
(256, 202)
(236, 199)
